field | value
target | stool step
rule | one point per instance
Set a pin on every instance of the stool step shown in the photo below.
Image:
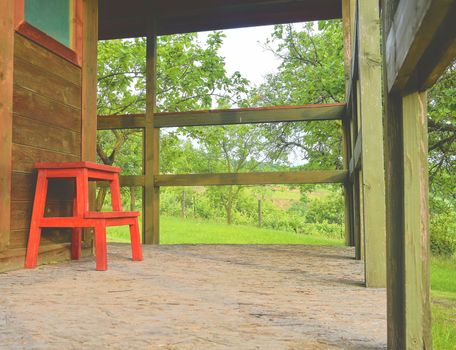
(111, 214)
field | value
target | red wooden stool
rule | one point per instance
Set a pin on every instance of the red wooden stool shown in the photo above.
(82, 172)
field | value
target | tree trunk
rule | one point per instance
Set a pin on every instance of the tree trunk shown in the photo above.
(101, 198)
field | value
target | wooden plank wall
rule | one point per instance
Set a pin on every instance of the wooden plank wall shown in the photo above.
(46, 127)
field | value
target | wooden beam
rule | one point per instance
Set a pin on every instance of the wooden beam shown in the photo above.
(371, 113)
(151, 200)
(413, 28)
(440, 52)
(270, 178)
(127, 181)
(251, 115)
(6, 116)
(128, 121)
(89, 95)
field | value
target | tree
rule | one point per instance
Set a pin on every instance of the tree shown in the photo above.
(311, 72)
(232, 149)
(190, 75)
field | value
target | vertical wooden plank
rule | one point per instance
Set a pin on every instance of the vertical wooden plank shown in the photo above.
(416, 223)
(151, 147)
(6, 116)
(89, 80)
(89, 94)
(348, 189)
(346, 141)
(373, 184)
(394, 220)
(347, 41)
(354, 127)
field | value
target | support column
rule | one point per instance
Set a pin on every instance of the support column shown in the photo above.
(346, 134)
(151, 194)
(409, 315)
(6, 116)
(416, 222)
(373, 185)
(89, 96)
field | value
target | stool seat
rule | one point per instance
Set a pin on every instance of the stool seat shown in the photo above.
(111, 214)
(77, 165)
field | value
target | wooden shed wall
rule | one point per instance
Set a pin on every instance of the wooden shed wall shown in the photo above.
(47, 97)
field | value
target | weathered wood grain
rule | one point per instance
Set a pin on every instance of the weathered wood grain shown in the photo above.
(6, 115)
(23, 188)
(32, 133)
(43, 82)
(371, 114)
(266, 178)
(251, 115)
(416, 223)
(89, 95)
(19, 238)
(413, 28)
(21, 212)
(34, 54)
(40, 108)
(439, 53)
(24, 157)
(127, 121)
(151, 157)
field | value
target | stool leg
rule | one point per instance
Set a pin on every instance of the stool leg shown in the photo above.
(136, 250)
(76, 236)
(39, 205)
(115, 194)
(101, 253)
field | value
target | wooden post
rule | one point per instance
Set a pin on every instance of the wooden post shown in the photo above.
(89, 96)
(151, 194)
(260, 214)
(183, 204)
(373, 185)
(346, 135)
(409, 315)
(416, 222)
(6, 116)
(132, 198)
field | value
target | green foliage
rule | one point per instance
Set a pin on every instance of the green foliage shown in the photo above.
(311, 72)
(443, 234)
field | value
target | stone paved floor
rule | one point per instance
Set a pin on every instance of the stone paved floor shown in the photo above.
(196, 297)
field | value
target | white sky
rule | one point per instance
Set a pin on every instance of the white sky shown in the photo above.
(243, 52)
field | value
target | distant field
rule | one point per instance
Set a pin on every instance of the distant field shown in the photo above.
(191, 231)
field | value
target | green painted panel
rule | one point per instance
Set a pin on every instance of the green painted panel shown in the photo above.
(51, 17)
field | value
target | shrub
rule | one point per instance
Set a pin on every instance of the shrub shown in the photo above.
(443, 234)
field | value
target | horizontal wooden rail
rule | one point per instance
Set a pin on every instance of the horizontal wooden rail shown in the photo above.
(227, 116)
(126, 181)
(128, 121)
(269, 178)
(251, 115)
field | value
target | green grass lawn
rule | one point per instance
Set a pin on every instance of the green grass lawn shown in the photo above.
(443, 296)
(191, 231)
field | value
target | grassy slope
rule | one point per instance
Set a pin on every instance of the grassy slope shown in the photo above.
(443, 294)
(188, 231)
